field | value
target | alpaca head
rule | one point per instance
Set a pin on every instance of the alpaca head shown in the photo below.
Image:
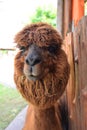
(41, 69)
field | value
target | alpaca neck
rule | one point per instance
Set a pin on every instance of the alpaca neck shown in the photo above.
(42, 119)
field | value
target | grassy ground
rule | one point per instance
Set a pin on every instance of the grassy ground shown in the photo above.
(11, 103)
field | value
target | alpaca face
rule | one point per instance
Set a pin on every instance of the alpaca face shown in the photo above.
(41, 69)
(34, 61)
(37, 46)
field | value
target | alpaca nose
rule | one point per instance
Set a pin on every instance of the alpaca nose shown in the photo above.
(33, 60)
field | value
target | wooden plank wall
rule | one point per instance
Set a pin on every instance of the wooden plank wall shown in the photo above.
(76, 49)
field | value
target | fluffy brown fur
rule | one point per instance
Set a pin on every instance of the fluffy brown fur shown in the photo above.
(50, 75)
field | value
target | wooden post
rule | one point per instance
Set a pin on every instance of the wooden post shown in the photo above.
(67, 16)
(60, 16)
(64, 16)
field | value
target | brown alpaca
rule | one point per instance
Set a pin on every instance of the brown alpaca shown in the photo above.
(41, 73)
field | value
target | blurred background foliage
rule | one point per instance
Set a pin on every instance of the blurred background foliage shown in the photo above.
(44, 14)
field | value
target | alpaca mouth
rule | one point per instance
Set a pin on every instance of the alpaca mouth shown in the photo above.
(33, 72)
(33, 77)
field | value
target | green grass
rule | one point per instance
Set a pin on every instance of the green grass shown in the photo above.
(11, 103)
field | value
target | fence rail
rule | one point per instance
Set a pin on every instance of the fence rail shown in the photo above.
(8, 49)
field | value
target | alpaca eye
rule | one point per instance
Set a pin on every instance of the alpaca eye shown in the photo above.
(22, 48)
(52, 49)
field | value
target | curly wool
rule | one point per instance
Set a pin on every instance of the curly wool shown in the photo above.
(44, 92)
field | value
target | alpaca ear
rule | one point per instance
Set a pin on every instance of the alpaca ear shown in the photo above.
(18, 37)
(57, 38)
(59, 41)
(21, 38)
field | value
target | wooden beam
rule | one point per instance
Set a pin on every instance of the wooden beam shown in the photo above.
(77, 10)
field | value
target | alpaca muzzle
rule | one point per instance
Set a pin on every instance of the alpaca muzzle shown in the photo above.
(33, 61)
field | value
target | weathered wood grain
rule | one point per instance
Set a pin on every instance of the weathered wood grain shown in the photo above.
(76, 49)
